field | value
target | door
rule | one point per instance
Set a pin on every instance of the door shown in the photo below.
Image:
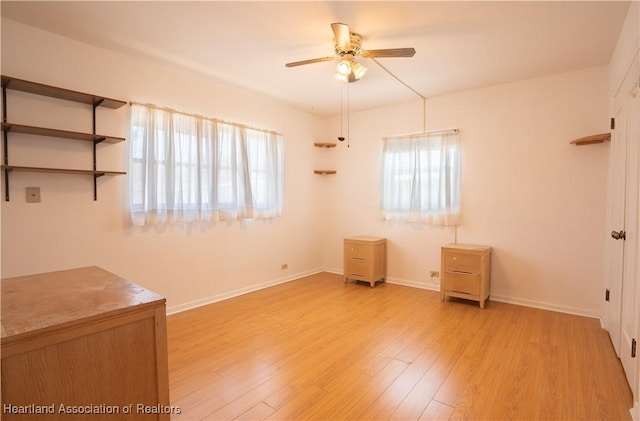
(617, 203)
(630, 314)
(622, 249)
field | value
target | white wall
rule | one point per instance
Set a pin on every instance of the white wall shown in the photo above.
(68, 229)
(536, 199)
(539, 201)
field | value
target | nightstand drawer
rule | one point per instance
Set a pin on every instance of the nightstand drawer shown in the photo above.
(358, 268)
(461, 282)
(358, 251)
(461, 262)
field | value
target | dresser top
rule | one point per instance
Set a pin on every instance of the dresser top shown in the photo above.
(468, 247)
(61, 299)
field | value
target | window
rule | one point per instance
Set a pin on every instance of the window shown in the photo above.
(186, 168)
(421, 178)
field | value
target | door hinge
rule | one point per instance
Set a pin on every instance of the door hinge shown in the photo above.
(606, 295)
(633, 348)
(613, 123)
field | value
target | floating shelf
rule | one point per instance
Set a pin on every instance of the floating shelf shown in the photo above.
(324, 145)
(66, 134)
(324, 172)
(590, 140)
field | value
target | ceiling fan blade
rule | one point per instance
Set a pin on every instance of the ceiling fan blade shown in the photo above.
(342, 35)
(389, 52)
(313, 60)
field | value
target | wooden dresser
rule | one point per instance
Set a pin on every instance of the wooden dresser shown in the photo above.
(466, 272)
(83, 344)
(365, 259)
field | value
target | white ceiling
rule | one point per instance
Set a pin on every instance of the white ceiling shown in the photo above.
(459, 45)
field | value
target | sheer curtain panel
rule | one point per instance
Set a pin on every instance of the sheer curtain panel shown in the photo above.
(421, 178)
(191, 169)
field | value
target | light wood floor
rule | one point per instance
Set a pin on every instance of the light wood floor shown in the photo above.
(316, 348)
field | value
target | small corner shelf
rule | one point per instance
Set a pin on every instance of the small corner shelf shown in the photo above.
(591, 140)
(67, 95)
(324, 145)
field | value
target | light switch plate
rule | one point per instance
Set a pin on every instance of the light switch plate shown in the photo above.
(33, 194)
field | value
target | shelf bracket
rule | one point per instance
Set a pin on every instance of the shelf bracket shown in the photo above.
(96, 104)
(5, 149)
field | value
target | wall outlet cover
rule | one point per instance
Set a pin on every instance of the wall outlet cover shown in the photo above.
(33, 194)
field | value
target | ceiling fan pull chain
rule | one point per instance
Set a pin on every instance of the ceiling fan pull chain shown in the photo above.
(341, 137)
(348, 119)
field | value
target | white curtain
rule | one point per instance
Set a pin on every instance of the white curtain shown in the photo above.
(421, 178)
(186, 169)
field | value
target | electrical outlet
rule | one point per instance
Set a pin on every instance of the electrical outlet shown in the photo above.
(33, 194)
(284, 266)
(434, 274)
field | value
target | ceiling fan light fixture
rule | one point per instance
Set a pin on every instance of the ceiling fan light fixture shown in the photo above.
(358, 70)
(344, 67)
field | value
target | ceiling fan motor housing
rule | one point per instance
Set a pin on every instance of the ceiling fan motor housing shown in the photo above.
(356, 45)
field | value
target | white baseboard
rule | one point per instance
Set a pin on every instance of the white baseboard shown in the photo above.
(220, 297)
(545, 306)
(414, 284)
(409, 283)
(397, 281)
(500, 298)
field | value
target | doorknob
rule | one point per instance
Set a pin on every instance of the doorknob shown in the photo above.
(619, 235)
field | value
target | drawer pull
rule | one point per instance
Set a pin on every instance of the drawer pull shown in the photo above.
(358, 258)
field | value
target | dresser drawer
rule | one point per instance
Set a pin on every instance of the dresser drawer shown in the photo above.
(358, 251)
(462, 262)
(461, 282)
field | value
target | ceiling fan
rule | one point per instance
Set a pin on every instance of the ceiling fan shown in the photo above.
(348, 46)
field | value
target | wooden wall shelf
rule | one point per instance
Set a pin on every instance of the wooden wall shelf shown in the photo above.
(67, 95)
(66, 134)
(324, 145)
(16, 84)
(97, 173)
(590, 140)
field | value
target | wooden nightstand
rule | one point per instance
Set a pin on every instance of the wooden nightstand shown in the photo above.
(365, 259)
(466, 272)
